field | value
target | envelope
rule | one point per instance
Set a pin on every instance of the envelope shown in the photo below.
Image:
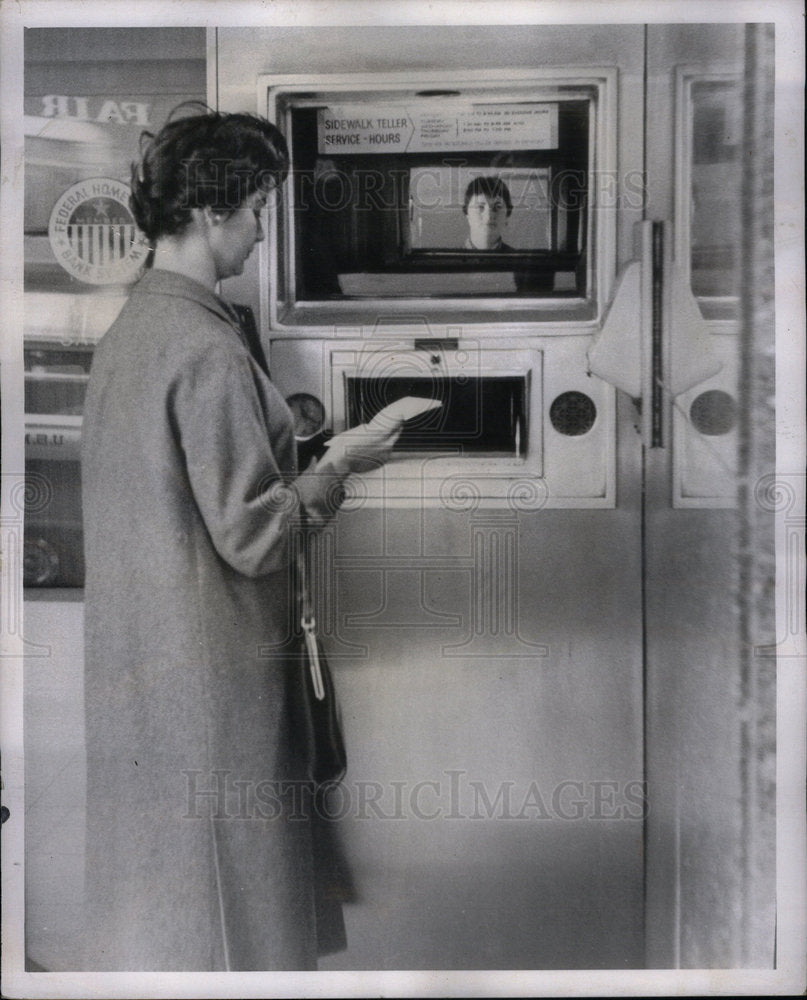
(403, 409)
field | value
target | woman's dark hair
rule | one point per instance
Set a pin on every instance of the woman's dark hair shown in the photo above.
(212, 159)
(490, 187)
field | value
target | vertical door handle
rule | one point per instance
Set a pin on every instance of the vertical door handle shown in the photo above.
(653, 340)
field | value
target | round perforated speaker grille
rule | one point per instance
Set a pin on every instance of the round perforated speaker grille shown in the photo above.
(573, 413)
(713, 412)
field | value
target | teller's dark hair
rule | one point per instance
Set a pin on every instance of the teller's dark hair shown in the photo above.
(208, 160)
(490, 187)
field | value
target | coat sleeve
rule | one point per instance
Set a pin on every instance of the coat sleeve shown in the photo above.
(241, 493)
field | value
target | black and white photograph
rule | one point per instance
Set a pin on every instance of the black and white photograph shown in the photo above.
(403, 499)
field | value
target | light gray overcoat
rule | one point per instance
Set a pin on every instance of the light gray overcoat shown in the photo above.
(199, 849)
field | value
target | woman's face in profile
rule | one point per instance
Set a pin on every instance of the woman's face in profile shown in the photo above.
(487, 218)
(236, 235)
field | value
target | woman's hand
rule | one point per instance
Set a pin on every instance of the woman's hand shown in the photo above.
(363, 448)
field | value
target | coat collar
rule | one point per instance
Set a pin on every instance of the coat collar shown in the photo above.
(157, 281)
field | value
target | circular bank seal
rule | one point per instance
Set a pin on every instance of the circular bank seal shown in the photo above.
(93, 233)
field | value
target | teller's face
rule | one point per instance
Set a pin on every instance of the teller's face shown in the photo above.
(487, 219)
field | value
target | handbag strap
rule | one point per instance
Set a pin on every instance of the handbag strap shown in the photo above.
(303, 558)
(306, 607)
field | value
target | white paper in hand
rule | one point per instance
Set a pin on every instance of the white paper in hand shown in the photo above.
(403, 409)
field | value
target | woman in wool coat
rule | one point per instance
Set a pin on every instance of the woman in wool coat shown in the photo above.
(199, 842)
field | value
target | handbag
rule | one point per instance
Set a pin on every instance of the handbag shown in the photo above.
(324, 743)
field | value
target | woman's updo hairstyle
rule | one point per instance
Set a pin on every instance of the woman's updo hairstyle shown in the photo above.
(208, 160)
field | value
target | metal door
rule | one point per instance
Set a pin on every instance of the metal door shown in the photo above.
(708, 516)
(701, 264)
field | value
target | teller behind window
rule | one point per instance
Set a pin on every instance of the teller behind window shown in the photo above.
(487, 206)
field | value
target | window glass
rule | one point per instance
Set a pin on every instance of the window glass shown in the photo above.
(89, 94)
(716, 189)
